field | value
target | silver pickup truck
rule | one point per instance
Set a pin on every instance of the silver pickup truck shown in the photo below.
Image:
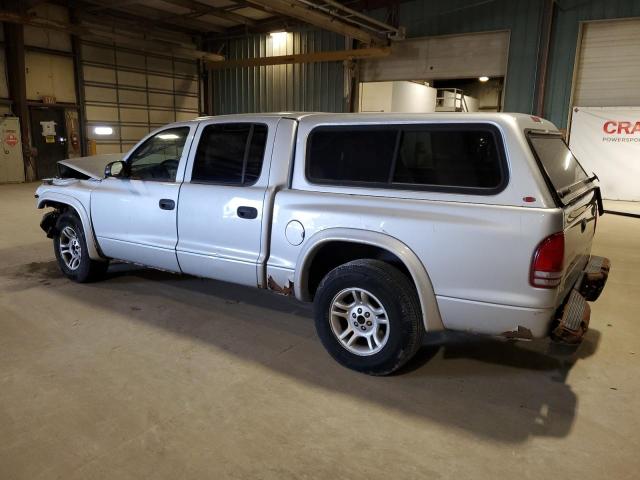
(393, 225)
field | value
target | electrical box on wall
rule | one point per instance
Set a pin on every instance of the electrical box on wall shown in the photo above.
(11, 161)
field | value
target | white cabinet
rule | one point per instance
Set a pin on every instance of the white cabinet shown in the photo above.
(11, 162)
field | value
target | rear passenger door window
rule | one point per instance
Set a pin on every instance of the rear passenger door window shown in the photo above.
(230, 154)
(465, 158)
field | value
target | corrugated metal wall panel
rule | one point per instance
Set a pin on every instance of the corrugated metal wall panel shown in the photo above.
(522, 17)
(302, 87)
(565, 38)
(608, 66)
(134, 92)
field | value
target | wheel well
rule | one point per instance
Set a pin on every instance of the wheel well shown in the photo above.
(333, 254)
(62, 207)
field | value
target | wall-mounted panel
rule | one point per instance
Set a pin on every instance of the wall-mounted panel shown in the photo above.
(442, 57)
(48, 74)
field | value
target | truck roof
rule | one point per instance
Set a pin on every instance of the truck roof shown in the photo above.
(523, 120)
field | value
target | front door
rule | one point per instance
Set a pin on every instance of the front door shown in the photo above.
(220, 211)
(49, 137)
(134, 215)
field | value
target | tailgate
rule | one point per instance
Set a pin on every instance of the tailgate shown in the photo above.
(577, 195)
(580, 219)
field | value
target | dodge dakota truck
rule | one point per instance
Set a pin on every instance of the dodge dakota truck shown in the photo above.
(393, 225)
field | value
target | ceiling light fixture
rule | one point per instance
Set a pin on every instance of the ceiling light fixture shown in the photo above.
(483, 78)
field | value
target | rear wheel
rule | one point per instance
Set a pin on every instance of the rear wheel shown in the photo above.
(367, 315)
(70, 247)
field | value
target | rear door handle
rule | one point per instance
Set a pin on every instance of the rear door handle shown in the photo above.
(167, 204)
(248, 213)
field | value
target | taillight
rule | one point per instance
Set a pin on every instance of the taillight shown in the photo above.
(548, 262)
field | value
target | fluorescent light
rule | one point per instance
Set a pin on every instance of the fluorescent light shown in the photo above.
(103, 130)
(168, 136)
(483, 78)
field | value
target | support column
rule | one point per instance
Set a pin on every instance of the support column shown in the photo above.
(544, 45)
(14, 51)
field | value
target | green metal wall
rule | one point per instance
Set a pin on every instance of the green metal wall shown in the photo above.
(279, 88)
(569, 14)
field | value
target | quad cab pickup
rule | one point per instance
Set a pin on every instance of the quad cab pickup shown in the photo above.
(392, 225)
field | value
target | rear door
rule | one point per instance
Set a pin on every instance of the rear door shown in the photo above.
(221, 204)
(576, 193)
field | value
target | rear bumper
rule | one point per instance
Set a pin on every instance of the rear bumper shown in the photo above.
(572, 320)
(566, 324)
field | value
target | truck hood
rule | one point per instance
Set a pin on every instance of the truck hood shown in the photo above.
(92, 166)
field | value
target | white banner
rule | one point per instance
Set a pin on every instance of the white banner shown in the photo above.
(606, 141)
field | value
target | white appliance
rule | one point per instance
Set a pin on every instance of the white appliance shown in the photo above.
(11, 161)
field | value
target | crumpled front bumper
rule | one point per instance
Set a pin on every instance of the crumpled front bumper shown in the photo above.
(572, 321)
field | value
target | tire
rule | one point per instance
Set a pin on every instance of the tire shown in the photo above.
(339, 305)
(70, 248)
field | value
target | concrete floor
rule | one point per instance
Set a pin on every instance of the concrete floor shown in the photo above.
(151, 375)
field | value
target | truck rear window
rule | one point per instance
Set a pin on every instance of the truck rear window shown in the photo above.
(465, 158)
(562, 168)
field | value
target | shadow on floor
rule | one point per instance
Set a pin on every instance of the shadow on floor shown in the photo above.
(490, 387)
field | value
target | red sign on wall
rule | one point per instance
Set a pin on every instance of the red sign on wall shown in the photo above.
(11, 139)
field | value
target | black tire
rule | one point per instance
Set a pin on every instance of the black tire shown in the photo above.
(87, 270)
(394, 292)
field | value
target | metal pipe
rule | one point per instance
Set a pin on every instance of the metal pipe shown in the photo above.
(362, 15)
(544, 47)
(355, 22)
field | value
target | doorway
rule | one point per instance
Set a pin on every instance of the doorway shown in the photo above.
(49, 138)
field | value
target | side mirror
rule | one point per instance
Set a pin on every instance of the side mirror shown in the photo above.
(114, 169)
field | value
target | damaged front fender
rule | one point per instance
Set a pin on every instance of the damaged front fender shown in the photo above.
(48, 223)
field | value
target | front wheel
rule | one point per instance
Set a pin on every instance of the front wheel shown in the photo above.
(368, 317)
(70, 247)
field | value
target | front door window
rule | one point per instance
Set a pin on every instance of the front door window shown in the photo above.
(158, 157)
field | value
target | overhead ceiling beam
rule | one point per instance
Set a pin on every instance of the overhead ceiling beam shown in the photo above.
(149, 29)
(106, 5)
(292, 8)
(162, 17)
(101, 35)
(146, 20)
(331, 56)
(199, 9)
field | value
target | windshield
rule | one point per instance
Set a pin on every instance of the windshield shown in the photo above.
(562, 168)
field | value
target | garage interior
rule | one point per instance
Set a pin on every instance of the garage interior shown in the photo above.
(152, 375)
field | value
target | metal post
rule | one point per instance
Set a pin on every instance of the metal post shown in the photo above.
(76, 48)
(544, 46)
(14, 45)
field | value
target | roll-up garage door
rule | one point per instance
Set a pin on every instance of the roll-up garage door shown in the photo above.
(441, 57)
(131, 93)
(608, 65)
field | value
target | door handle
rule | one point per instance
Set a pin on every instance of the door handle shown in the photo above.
(248, 213)
(167, 204)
